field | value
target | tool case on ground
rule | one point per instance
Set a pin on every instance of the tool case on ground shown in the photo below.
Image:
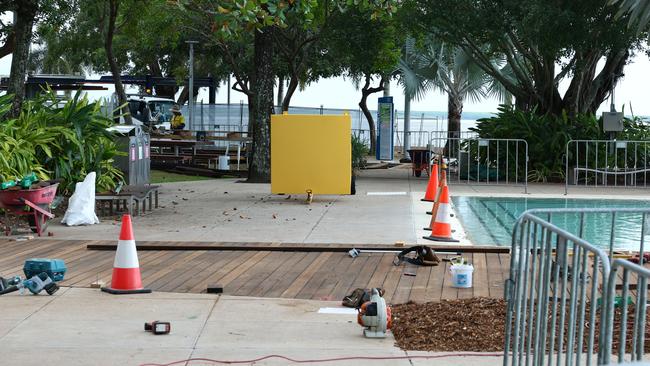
(55, 268)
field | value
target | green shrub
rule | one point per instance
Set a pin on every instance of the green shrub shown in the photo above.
(547, 138)
(57, 139)
(359, 153)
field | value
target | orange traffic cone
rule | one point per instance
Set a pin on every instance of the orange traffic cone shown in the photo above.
(440, 226)
(126, 268)
(443, 182)
(432, 186)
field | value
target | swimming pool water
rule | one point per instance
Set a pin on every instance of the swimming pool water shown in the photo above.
(490, 220)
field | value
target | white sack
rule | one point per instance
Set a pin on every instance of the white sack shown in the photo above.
(81, 208)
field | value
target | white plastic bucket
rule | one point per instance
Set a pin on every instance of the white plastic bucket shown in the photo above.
(223, 162)
(461, 275)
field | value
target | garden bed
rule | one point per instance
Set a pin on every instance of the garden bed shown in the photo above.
(477, 325)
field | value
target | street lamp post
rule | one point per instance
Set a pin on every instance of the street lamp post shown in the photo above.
(191, 86)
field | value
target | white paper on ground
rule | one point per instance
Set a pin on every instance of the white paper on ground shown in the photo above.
(344, 311)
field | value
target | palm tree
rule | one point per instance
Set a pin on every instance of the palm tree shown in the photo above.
(436, 66)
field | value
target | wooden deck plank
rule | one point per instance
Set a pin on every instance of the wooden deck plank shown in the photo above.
(288, 277)
(324, 279)
(342, 288)
(403, 290)
(171, 266)
(495, 277)
(298, 274)
(433, 292)
(197, 267)
(385, 264)
(367, 271)
(29, 251)
(243, 267)
(251, 279)
(276, 276)
(303, 279)
(448, 292)
(217, 271)
(419, 286)
(213, 262)
(480, 277)
(392, 279)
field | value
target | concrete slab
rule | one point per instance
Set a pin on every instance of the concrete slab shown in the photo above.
(454, 358)
(324, 352)
(284, 323)
(98, 355)
(225, 210)
(258, 309)
(7, 325)
(109, 330)
(116, 307)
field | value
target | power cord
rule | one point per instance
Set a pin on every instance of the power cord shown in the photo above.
(335, 359)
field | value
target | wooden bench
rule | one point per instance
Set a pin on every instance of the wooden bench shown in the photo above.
(128, 197)
(164, 158)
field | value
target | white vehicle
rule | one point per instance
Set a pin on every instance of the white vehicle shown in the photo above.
(149, 111)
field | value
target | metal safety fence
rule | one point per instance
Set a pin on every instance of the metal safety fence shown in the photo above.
(484, 161)
(607, 163)
(626, 312)
(443, 134)
(561, 290)
(553, 274)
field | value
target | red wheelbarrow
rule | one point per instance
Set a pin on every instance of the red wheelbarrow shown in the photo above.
(421, 159)
(33, 203)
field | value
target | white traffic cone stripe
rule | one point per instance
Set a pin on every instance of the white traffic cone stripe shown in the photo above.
(442, 216)
(127, 255)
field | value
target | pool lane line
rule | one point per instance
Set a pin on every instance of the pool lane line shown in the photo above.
(503, 225)
(485, 225)
(506, 210)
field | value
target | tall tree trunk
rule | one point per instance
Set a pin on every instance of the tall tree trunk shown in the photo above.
(184, 96)
(280, 90)
(24, 21)
(454, 113)
(363, 104)
(115, 70)
(293, 85)
(407, 125)
(164, 91)
(262, 82)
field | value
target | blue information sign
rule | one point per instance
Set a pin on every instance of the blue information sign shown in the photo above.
(385, 128)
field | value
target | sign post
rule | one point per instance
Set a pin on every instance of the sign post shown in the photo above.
(385, 117)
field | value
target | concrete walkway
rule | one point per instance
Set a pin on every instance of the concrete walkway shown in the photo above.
(88, 327)
(386, 209)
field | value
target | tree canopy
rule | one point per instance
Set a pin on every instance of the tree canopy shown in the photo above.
(545, 43)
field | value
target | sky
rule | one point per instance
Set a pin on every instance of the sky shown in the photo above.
(341, 93)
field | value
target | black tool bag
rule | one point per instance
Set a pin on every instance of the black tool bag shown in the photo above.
(358, 297)
(424, 256)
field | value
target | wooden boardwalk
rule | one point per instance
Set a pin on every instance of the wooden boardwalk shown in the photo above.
(321, 275)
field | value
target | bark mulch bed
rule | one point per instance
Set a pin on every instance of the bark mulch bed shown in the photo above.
(476, 325)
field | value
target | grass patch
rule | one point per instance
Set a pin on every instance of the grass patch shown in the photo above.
(159, 176)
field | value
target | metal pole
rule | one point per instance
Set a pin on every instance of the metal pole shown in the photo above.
(241, 116)
(407, 126)
(228, 102)
(191, 93)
